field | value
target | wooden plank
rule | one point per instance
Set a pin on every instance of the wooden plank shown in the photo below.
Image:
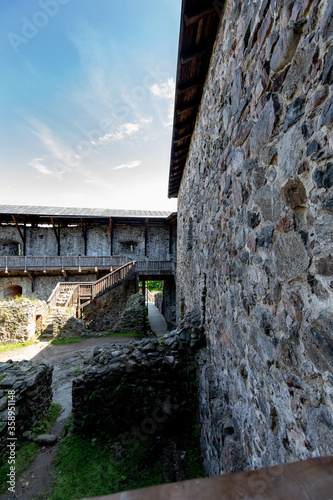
(196, 15)
(111, 236)
(146, 237)
(190, 55)
(57, 234)
(308, 480)
(23, 236)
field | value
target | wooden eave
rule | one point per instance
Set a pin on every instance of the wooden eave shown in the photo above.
(198, 29)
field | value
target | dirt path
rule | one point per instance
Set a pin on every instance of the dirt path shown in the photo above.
(68, 362)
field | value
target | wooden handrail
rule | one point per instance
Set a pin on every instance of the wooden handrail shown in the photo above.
(90, 290)
(44, 263)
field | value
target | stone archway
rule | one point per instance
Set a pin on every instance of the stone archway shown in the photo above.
(12, 291)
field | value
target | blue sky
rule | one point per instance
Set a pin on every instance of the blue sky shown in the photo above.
(86, 102)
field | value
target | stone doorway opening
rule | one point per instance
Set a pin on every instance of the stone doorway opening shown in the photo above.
(12, 291)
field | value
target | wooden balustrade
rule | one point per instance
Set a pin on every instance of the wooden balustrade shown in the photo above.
(13, 263)
(85, 292)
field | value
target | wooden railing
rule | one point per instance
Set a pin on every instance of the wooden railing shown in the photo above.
(112, 279)
(85, 292)
(59, 289)
(10, 263)
(155, 267)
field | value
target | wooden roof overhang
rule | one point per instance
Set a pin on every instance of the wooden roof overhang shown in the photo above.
(72, 216)
(198, 29)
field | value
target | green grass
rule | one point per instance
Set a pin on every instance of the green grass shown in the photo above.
(26, 452)
(89, 468)
(66, 341)
(12, 347)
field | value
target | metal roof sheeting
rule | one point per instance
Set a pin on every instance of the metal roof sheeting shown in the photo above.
(79, 212)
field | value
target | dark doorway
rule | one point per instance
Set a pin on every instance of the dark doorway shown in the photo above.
(12, 291)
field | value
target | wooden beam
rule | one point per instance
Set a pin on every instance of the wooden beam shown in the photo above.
(183, 138)
(181, 126)
(85, 234)
(196, 15)
(190, 85)
(186, 106)
(111, 236)
(22, 235)
(57, 235)
(189, 55)
(146, 237)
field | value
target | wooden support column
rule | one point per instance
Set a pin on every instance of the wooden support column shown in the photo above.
(170, 237)
(22, 235)
(146, 237)
(111, 236)
(57, 235)
(85, 235)
(144, 295)
(31, 278)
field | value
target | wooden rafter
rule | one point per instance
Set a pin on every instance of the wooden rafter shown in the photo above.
(111, 236)
(197, 14)
(22, 235)
(85, 234)
(189, 55)
(146, 237)
(57, 234)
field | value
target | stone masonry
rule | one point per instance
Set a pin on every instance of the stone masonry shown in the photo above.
(31, 383)
(255, 235)
(21, 320)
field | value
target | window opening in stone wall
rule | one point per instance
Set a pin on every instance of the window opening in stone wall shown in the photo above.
(190, 235)
(9, 248)
(39, 324)
(12, 291)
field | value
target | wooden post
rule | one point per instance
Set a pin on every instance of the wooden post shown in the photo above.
(85, 235)
(23, 236)
(57, 235)
(146, 237)
(111, 236)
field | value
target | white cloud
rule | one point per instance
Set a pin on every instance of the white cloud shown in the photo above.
(164, 90)
(131, 164)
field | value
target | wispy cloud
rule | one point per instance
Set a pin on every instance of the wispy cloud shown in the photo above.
(166, 92)
(130, 164)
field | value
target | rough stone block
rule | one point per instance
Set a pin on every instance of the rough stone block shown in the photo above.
(294, 193)
(263, 130)
(290, 256)
(285, 48)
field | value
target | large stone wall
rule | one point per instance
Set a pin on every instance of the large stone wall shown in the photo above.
(42, 286)
(255, 235)
(128, 240)
(105, 312)
(25, 388)
(20, 319)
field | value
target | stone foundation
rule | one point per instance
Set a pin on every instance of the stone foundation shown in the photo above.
(255, 235)
(141, 385)
(31, 383)
(21, 320)
(105, 313)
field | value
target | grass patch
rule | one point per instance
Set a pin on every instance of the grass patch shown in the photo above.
(12, 347)
(89, 468)
(26, 452)
(66, 341)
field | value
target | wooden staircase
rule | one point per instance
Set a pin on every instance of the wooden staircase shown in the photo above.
(81, 294)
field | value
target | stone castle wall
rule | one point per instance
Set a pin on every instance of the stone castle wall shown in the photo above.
(25, 387)
(20, 320)
(128, 240)
(42, 286)
(255, 235)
